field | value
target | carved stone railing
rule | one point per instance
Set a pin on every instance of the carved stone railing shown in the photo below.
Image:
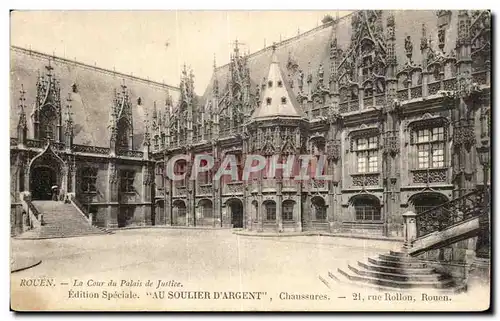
(80, 208)
(450, 84)
(344, 107)
(433, 87)
(205, 189)
(91, 149)
(380, 100)
(58, 146)
(130, 153)
(233, 187)
(160, 192)
(368, 102)
(180, 190)
(13, 141)
(366, 179)
(318, 184)
(34, 143)
(480, 77)
(430, 175)
(354, 105)
(416, 92)
(450, 213)
(402, 94)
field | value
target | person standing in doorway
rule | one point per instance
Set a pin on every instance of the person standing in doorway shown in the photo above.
(55, 193)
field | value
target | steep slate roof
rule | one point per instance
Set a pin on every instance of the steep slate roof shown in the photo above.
(277, 89)
(313, 46)
(92, 102)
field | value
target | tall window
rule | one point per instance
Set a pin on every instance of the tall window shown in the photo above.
(287, 214)
(430, 147)
(205, 177)
(367, 210)
(271, 211)
(180, 169)
(319, 208)
(127, 180)
(367, 154)
(88, 179)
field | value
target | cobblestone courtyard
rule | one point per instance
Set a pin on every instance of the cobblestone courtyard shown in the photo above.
(202, 260)
(198, 258)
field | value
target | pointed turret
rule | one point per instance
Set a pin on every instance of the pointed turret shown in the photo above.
(22, 125)
(277, 97)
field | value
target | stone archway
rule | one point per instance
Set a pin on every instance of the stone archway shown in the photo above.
(424, 201)
(235, 207)
(179, 213)
(46, 170)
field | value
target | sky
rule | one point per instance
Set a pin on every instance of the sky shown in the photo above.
(155, 44)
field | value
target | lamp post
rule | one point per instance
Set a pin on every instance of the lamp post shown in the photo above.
(483, 248)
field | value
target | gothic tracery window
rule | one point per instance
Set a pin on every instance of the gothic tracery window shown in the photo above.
(430, 147)
(366, 149)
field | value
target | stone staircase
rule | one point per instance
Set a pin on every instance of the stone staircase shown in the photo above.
(394, 271)
(61, 220)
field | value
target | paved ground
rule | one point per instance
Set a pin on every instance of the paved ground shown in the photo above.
(215, 260)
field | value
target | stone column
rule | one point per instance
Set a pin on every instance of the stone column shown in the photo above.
(410, 229)
(111, 220)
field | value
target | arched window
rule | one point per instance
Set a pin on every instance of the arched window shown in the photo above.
(270, 207)
(206, 209)
(280, 83)
(270, 84)
(319, 208)
(367, 209)
(425, 201)
(268, 101)
(287, 213)
(283, 100)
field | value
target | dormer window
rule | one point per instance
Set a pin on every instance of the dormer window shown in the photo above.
(139, 101)
(270, 84)
(283, 100)
(74, 88)
(268, 101)
(280, 83)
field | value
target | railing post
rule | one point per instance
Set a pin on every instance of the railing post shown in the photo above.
(410, 229)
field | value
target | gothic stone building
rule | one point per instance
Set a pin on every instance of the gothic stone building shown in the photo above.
(397, 101)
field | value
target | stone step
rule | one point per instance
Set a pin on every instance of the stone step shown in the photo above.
(395, 284)
(397, 258)
(336, 280)
(64, 220)
(380, 262)
(395, 270)
(396, 276)
(398, 253)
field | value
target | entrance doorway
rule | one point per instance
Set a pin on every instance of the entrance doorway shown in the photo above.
(42, 179)
(236, 208)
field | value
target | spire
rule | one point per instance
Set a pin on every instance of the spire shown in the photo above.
(22, 109)
(69, 118)
(277, 98)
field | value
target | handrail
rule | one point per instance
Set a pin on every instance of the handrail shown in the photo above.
(76, 203)
(36, 218)
(452, 212)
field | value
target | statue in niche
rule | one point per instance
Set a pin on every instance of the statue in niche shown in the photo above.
(300, 79)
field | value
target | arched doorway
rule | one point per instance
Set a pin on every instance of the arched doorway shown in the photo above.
(270, 211)
(46, 169)
(205, 213)
(42, 178)
(287, 213)
(425, 201)
(367, 208)
(179, 213)
(319, 209)
(236, 211)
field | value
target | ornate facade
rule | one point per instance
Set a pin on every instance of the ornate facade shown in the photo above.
(396, 101)
(398, 112)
